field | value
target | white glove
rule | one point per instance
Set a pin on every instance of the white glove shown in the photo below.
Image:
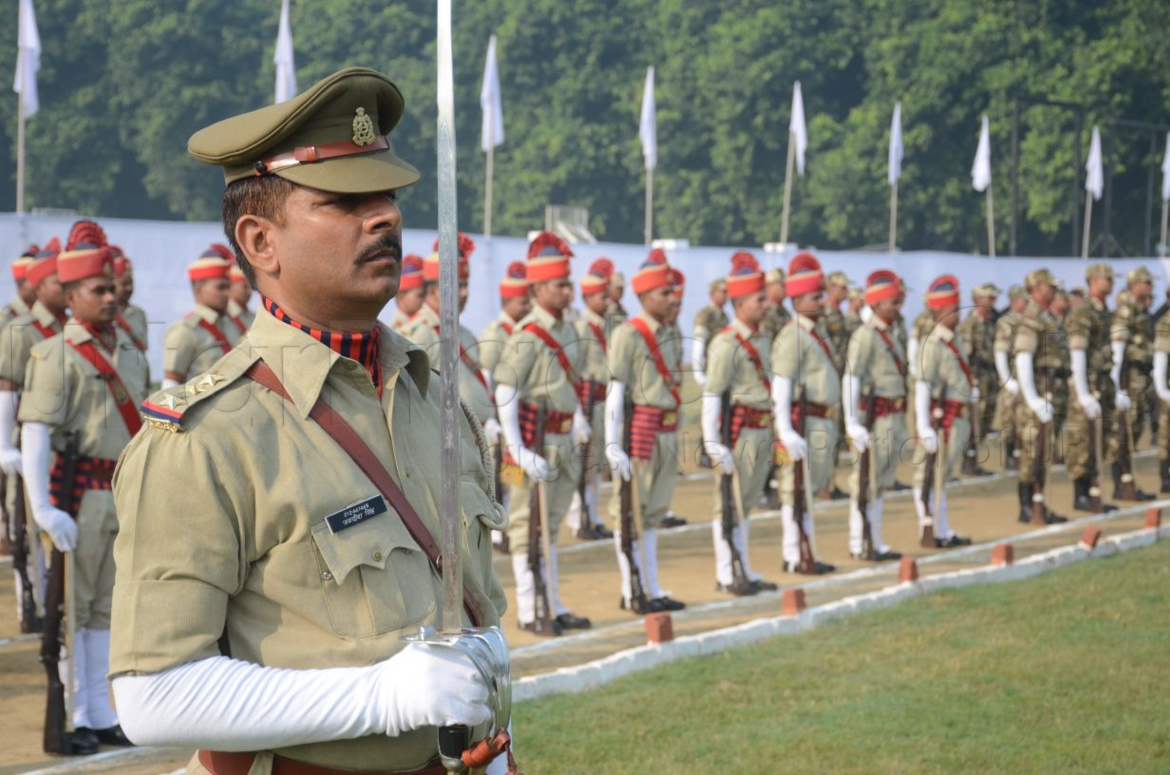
(36, 448)
(615, 408)
(9, 454)
(795, 444)
(508, 408)
(1161, 360)
(9, 460)
(59, 525)
(1012, 386)
(1122, 403)
(720, 455)
(619, 461)
(1041, 408)
(1091, 406)
(491, 430)
(700, 379)
(425, 685)
(533, 464)
(928, 438)
(857, 434)
(699, 360)
(581, 430)
(975, 394)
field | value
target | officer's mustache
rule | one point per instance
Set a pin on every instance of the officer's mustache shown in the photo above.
(386, 244)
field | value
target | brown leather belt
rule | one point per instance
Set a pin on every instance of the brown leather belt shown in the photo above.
(239, 762)
(883, 407)
(749, 417)
(820, 411)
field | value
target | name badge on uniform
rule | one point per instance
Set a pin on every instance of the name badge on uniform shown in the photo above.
(356, 514)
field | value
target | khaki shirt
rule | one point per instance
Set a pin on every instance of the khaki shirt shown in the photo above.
(492, 340)
(1039, 332)
(775, 318)
(64, 391)
(17, 340)
(671, 339)
(836, 328)
(241, 313)
(898, 328)
(939, 367)
(1134, 326)
(709, 321)
(189, 349)
(797, 356)
(472, 387)
(853, 322)
(615, 316)
(224, 528)
(732, 369)
(875, 362)
(401, 321)
(978, 344)
(12, 310)
(1005, 332)
(1162, 335)
(1088, 328)
(135, 317)
(631, 363)
(596, 352)
(532, 367)
(923, 325)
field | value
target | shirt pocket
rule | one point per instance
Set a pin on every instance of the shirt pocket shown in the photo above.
(374, 577)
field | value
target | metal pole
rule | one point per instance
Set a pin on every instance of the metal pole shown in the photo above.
(990, 225)
(487, 195)
(1012, 244)
(893, 215)
(1107, 220)
(20, 152)
(1149, 221)
(1165, 215)
(1088, 224)
(452, 617)
(648, 227)
(787, 189)
(1076, 184)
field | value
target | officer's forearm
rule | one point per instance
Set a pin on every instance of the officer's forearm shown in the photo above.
(782, 400)
(508, 408)
(1026, 379)
(35, 452)
(1003, 366)
(709, 416)
(1080, 370)
(8, 400)
(1118, 348)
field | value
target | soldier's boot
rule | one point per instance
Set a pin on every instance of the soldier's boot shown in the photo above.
(1125, 487)
(1164, 468)
(1083, 496)
(1024, 490)
(1011, 459)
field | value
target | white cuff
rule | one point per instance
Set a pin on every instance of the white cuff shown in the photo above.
(1003, 366)
(709, 419)
(922, 406)
(698, 355)
(1118, 360)
(851, 395)
(615, 412)
(36, 449)
(8, 401)
(1025, 377)
(1080, 370)
(782, 400)
(508, 409)
(1160, 361)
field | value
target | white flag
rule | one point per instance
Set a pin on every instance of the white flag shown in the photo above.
(28, 58)
(1094, 175)
(648, 128)
(797, 131)
(489, 101)
(895, 171)
(1166, 171)
(286, 69)
(981, 170)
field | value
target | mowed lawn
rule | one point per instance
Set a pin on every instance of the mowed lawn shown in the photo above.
(1067, 672)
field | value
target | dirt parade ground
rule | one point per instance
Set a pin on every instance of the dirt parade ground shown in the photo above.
(984, 508)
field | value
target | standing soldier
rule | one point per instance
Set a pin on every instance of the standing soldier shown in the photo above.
(920, 328)
(1162, 389)
(515, 304)
(944, 386)
(977, 334)
(1091, 360)
(806, 390)
(1006, 399)
(594, 347)
(81, 397)
(192, 344)
(616, 314)
(539, 370)
(1042, 368)
(738, 391)
(644, 381)
(238, 298)
(310, 581)
(875, 383)
(25, 295)
(853, 319)
(834, 323)
(775, 316)
(131, 318)
(410, 293)
(1132, 342)
(709, 321)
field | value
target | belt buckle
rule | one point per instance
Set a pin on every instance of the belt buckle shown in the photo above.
(669, 418)
(566, 425)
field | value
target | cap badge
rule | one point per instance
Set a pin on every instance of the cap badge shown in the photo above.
(363, 128)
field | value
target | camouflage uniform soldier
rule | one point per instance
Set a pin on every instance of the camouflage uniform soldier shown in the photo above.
(616, 314)
(1161, 358)
(853, 319)
(1005, 399)
(978, 338)
(1042, 368)
(709, 321)
(1132, 341)
(775, 315)
(833, 322)
(410, 293)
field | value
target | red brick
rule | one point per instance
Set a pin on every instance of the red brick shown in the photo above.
(659, 628)
(792, 602)
(909, 570)
(1153, 517)
(1002, 554)
(1090, 537)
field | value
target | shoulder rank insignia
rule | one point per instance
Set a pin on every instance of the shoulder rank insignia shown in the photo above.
(363, 128)
(165, 413)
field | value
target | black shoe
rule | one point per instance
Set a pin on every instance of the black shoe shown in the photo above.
(898, 486)
(666, 603)
(1164, 470)
(1082, 503)
(538, 627)
(1052, 518)
(887, 555)
(113, 736)
(747, 589)
(597, 532)
(837, 494)
(862, 556)
(83, 742)
(570, 622)
(952, 542)
(1024, 490)
(825, 567)
(762, 585)
(632, 606)
(672, 521)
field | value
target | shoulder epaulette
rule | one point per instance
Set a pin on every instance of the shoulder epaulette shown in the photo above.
(166, 409)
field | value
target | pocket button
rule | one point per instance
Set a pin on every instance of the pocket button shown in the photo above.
(377, 556)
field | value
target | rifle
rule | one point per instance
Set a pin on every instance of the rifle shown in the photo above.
(585, 527)
(58, 605)
(1125, 443)
(538, 539)
(498, 483)
(933, 477)
(864, 483)
(630, 514)
(801, 496)
(730, 516)
(1039, 470)
(29, 621)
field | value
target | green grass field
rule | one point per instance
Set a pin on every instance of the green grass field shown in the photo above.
(1068, 672)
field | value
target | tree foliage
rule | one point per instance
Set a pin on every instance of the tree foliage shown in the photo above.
(123, 85)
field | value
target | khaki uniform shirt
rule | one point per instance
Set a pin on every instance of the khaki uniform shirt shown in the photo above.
(224, 528)
(898, 327)
(939, 367)
(492, 341)
(1162, 335)
(835, 326)
(595, 352)
(401, 321)
(17, 340)
(241, 313)
(876, 363)
(671, 339)
(1088, 329)
(1134, 326)
(424, 334)
(709, 321)
(978, 345)
(189, 349)
(135, 317)
(12, 310)
(797, 356)
(731, 368)
(853, 322)
(775, 318)
(923, 325)
(62, 390)
(532, 367)
(1039, 332)
(615, 316)
(1005, 331)
(631, 363)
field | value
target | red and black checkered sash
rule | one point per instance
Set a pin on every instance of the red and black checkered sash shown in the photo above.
(645, 426)
(893, 353)
(752, 353)
(108, 374)
(556, 423)
(92, 473)
(748, 417)
(589, 390)
(122, 324)
(952, 410)
(668, 376)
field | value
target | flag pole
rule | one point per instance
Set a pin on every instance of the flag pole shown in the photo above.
(893, 215)
(487, 194)
(20, 152)
(1088, 224)
(649, 225)
(787, 189)
(1165, 223)
(990, 224)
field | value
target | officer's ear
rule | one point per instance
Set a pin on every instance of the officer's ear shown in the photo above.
(255, 235)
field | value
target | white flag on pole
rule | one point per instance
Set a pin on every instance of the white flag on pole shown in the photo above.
(28, 58)
(648, 127)
(1094, 174)
(1166, 171)
(490, 101)
(895, 171)
(981, 170)
(286, 69)
(796, 128)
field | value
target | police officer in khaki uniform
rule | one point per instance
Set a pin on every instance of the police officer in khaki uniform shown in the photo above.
(83, 387)
(239, 297)
(775, 315)
(1132, 342)
(616, 314)
(515, 304)
(945, 389)
(874, 383)
(643, 368)
(738, 375)
(541, 364)
(709, 321)
(1162, 389)
(806, 388)
(410, 293)
(1042, 368)
(131, 318)
(204, 335)
(1006, 399)
(1093, 390)
(25, 295)
(978, 337)
(281, 637)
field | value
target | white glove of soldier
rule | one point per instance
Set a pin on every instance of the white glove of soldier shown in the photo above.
(9, 460)
(1123, 403)
(795, 444)
(1012, 386)
(425, 685)
(59, 525)
(9, 454)
(928, 438)
(36, 451)
(619, 461)
(581, 429)
(975, 394)
(491, 430)
(857, 434)
(1041, 408)
(720, 455)
(1091, 406)
(533, 464)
